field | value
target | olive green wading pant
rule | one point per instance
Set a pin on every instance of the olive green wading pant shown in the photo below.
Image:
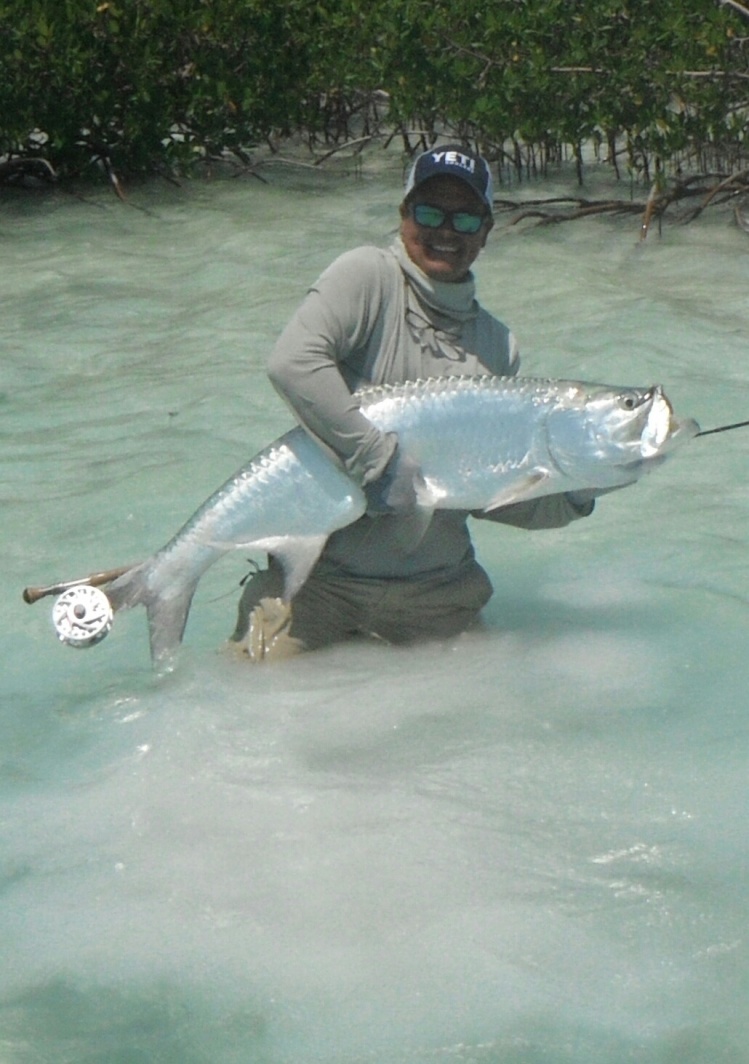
(329, 609)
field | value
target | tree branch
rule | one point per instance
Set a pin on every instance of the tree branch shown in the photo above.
(555, 210)
(742, 10)
(33, 166)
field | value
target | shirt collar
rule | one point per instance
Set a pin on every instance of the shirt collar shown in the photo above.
(456, 299)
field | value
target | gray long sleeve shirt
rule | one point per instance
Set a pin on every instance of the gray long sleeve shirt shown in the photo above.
(373, 317)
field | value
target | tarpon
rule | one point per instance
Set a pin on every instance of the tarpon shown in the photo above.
(480, 443)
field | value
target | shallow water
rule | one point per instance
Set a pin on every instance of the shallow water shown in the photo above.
(526, 846)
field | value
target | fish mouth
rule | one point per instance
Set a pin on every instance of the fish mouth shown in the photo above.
(661, 428)
(659, 421)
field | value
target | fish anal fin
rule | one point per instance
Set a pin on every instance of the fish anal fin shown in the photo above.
(527, 488)
(297, 555)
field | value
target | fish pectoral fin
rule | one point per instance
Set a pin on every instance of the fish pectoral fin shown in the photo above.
(527, 488)
(297, 555)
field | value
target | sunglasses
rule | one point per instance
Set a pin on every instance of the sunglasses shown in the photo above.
(434, 217)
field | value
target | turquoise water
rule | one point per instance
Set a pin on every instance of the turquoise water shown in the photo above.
(529, 846)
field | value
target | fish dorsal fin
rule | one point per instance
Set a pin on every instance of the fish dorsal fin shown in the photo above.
(527, 488)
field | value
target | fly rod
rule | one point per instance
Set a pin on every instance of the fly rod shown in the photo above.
(724, 428)
(33, 594)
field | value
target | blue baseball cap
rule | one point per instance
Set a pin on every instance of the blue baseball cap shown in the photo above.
(453, 160)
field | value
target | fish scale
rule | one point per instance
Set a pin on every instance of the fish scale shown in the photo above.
(479, 442)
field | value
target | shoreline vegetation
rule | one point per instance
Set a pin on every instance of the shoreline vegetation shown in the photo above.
(123, 89)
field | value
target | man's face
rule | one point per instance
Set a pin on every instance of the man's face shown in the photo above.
(442, 253)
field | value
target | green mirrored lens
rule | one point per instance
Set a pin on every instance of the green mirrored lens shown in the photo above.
(466, 223)
(433, 217)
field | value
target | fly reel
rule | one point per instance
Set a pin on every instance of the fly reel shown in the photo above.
(82, 616)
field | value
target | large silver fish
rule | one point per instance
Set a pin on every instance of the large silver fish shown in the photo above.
(480, 443)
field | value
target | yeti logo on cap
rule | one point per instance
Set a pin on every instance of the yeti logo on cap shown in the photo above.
(454, 158)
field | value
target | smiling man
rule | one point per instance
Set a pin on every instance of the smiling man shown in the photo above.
(385, 316)
(445, 219)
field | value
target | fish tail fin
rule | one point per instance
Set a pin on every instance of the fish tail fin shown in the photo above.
(167, 606)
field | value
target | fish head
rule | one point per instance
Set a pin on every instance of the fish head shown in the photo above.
(605, 437)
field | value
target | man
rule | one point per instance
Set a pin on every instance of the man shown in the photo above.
(380, 316)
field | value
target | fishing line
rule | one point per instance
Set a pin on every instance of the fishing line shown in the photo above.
(723, 428)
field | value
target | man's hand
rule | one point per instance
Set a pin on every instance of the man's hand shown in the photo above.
(395, 491)
(584, 500)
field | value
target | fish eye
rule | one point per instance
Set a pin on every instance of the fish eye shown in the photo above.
(634, 398)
